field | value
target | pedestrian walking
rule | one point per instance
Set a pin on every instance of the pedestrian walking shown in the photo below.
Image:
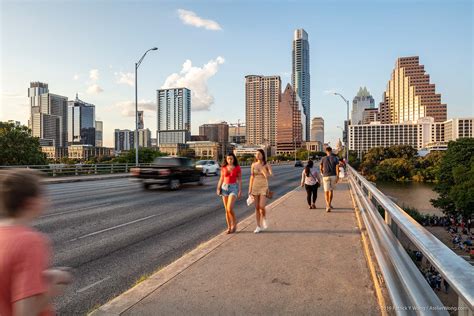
(27, 286)
(230, 188)
(330, 170)
(260, 171)
(311, 181)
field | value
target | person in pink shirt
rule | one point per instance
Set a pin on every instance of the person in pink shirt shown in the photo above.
(26, 284)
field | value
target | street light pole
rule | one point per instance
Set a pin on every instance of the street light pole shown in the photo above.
(347, 129)
(137, 64)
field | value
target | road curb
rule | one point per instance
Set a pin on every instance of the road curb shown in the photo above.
(131, 297)
(84, 178)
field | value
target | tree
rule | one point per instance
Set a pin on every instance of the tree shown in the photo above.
(456, 179)
(394, 169)
(18, 147)
(145, 155)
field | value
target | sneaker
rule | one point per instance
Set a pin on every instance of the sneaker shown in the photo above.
(257, 230)
(264, 224)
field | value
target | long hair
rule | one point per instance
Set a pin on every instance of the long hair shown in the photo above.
(236, 162)
(308, 167)
(264, 159)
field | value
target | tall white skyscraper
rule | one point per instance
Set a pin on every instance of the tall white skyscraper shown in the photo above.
(300, 79)
(363, 100)
(174, 116)
(317, 130)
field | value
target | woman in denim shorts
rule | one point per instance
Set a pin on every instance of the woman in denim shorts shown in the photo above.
(230, 188)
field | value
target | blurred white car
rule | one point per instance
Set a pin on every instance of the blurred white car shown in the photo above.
(208, 167)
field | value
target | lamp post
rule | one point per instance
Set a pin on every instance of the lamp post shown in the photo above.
(137, 64)
(347, 131)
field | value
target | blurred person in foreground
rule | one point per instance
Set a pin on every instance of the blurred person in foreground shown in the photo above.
(27, 285)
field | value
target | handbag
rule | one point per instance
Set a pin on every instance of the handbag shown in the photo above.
(269, 194)
(317, 181)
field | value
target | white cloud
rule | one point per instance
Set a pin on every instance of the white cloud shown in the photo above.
(195, 79)
(75, 77)
(127, 108)
(94, 74)
(125, 78)
(190, 18)
(94, 89)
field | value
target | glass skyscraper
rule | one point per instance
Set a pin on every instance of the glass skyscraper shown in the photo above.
(81, 123)
(300, 79)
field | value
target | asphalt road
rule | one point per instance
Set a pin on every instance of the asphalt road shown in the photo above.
(113, 232)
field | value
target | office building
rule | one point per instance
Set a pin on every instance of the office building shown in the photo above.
(141, 121)
(424, 133)
(99, 133)
(81, 123)
(237, 133)
(317, 130)
(217, 132)
(300, 79)
(85, 152)
(206, 149)
(289, 122)
(370, 115)
(48, 120)
(410, 95)
(174, 116)
(363, 100)
(262, 96)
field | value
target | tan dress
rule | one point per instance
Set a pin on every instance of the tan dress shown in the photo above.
(260, 183)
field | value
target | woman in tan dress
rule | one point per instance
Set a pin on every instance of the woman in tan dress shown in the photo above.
(258, 187)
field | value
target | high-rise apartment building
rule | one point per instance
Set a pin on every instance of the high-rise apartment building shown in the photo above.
(300, 79)
(317, 130)
(363, 100)
(124, 139)
(48, 120)
(262, 96)
(174, 116)
(410, 95)
(81, 123)
(289, 122)
(99, 134)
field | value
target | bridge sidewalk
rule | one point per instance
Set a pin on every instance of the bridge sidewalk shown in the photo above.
(307, 262)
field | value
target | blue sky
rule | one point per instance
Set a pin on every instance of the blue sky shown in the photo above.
(90, 47)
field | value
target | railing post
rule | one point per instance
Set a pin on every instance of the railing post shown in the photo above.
(126, 167)
(75, 170)
(95, 169)
(112, 168)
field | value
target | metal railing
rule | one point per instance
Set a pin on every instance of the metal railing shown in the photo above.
(62, 170)
(408, 289)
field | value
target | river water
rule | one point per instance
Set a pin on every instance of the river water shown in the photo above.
(411, 194)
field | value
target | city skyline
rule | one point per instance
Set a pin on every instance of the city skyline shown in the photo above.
(224, 51)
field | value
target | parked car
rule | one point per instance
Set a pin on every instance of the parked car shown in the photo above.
(208, 167)
(170, 172)
(298, 163)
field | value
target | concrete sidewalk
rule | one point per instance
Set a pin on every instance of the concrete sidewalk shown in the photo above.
(307, 262)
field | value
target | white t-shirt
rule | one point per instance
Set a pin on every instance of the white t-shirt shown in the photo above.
(313, 177)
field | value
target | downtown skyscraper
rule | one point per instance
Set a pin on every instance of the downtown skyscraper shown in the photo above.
(300, 78)
(410, 95)
(174, 116)
(81, 123)
(262, 97)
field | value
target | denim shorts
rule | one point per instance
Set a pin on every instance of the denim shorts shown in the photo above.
(229, 189)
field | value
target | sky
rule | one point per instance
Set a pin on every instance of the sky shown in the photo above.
(90, 47)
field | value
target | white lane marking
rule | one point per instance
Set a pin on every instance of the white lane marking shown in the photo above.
(93, 284)
(79, 210)
(114, 227)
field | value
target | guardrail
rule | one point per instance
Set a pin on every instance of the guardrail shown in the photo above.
(409, 291)
(61, 170)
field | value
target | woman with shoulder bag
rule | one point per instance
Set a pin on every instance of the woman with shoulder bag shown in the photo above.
(260, 171)
(311, 180)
